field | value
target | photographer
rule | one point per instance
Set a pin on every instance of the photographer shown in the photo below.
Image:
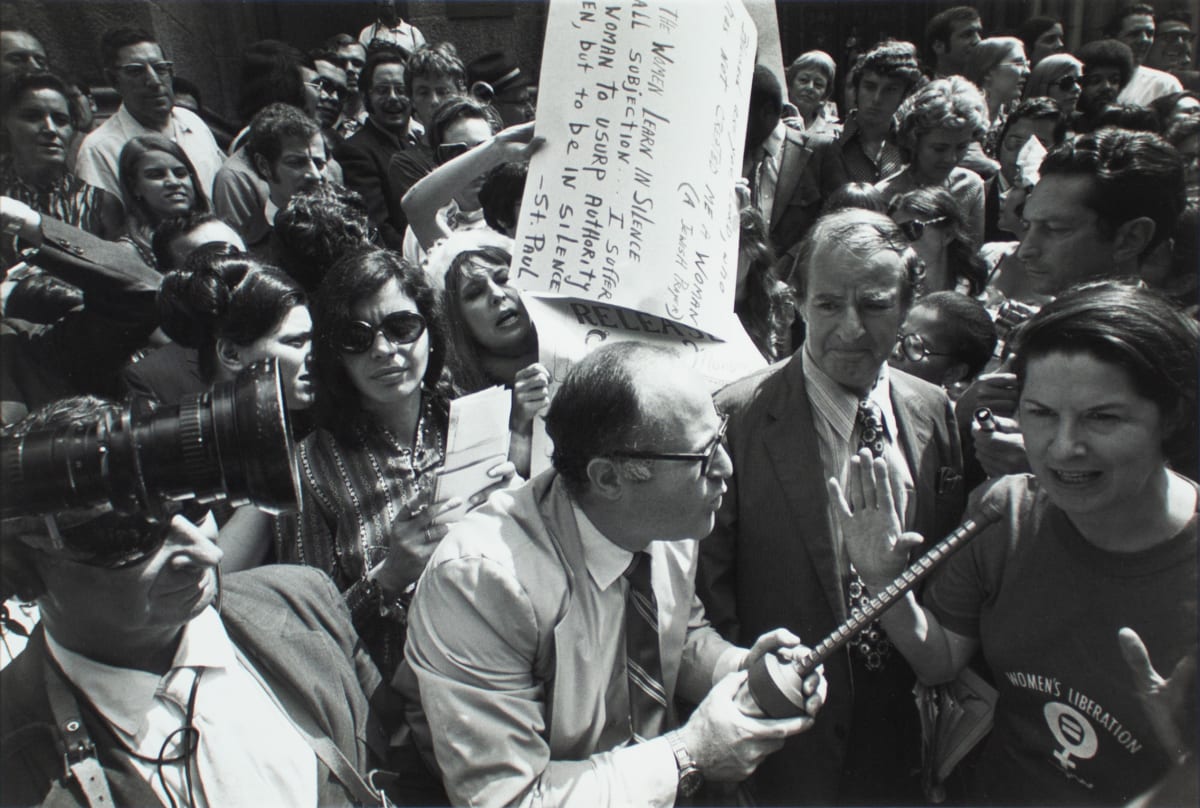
(186, 688)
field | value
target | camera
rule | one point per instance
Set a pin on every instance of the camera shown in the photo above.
(230, 443)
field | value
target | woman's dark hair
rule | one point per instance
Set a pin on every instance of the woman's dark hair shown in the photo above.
(463, 350)
(1133, 117)
(502, 190)
(1137, 330)
(221, 296)
(18, 85)
(962, 252)
(127, 165)
(351, 282)
(862, 195)
(767, 303)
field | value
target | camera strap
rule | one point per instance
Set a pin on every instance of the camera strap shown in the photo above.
(325, 749)
(74, 743)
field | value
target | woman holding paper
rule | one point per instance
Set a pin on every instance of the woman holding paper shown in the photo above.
(1087, 582)
(491, 338)
(368, 472)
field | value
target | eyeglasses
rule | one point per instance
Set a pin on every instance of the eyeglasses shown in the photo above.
(388, 90)
(448, 151)
(916, 228)
(705, 457)
(914, 349)
(1066, 83)
(323, 85)
(400, 328)
(117, 541)
(135, 70)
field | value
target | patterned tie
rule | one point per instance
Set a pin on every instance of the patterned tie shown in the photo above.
(647, 696)
(872, 643)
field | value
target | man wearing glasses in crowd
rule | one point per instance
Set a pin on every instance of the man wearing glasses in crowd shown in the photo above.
(555, 625)
(135, 65)
(152, 681)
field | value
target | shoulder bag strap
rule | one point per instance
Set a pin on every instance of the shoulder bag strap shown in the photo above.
(74, 743)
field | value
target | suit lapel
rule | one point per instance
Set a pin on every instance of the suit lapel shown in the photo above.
(790, 438)
(794, 154)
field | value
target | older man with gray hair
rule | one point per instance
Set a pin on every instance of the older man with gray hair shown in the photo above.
(775, 557)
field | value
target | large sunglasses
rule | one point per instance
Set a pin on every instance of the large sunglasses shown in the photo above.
(1066, 83)
(705, 457)
(916, 228)
(329, 87)
(400, 328)
(448, 151)
(116, 541)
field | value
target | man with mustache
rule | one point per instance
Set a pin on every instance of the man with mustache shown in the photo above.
(134, 63)
(366, 155)
(1107, 67)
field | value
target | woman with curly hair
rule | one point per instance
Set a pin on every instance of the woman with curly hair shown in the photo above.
(937, 125)
(764, 303)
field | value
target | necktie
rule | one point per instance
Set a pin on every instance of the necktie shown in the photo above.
(647, 696)
(872, 643)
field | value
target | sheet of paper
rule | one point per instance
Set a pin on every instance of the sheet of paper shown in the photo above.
(476, 441)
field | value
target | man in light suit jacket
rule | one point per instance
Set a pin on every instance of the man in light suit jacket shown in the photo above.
(517, 633)
(135, 688)
(774, 558)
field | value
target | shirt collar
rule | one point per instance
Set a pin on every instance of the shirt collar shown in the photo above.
(605, 561)
(131, 124)
(399, 142)
(839, 406)
(124, 695)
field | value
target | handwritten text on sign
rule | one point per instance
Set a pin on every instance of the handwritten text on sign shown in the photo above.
(631, 200)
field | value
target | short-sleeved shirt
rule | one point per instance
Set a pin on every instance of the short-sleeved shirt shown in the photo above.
(1046, 606)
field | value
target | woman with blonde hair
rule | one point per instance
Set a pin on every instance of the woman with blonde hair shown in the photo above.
(936, 126)
(809, 87)
(1057, 77)
(998, 66)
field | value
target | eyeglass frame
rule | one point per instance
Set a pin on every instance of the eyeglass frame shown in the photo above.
(135, 70)
(913, 229)
(902, 341)
(706, 457)
(323, 84)
(338, 339)
(453, 150)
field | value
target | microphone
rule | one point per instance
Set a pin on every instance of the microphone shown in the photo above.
(777, 686)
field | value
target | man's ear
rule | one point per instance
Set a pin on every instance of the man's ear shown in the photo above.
(229, 355)
(262, 167)
(1131, 238)
(939, 48)
(605, 478)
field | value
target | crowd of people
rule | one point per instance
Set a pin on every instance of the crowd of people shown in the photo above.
(973, 278)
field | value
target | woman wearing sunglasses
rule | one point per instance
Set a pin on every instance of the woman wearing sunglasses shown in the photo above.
(931, 220)
(936, 127)
(1057, 77)
(368, 471)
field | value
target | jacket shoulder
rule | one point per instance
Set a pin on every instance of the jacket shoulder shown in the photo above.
(739, 394)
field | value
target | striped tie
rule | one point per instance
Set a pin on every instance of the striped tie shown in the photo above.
(647, 696)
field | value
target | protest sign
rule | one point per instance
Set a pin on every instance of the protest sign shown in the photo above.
(631, 202)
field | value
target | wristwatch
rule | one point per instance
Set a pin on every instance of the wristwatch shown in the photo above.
(690, 776)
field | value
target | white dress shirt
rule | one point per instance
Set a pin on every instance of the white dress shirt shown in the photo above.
(249, 754)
